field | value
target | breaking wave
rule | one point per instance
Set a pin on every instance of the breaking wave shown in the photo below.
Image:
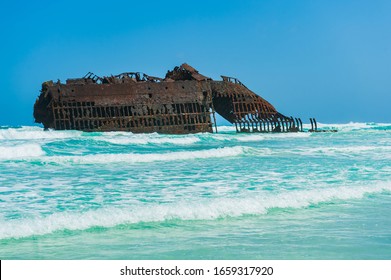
(140, 158)
(21, 151)
(144, 139)
(185, 210)
(34, 132)
(381, 151)
(352, 126)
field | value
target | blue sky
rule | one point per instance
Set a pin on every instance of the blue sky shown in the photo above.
(325, 59)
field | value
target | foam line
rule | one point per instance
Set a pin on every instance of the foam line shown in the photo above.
(141, 158)
(146, 139)
(203, 209)
(347, 150)
(32, 132)
(21, 151)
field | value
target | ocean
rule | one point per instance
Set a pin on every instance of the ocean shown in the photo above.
(118, 195)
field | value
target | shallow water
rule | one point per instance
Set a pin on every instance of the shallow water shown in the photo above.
(117, 195)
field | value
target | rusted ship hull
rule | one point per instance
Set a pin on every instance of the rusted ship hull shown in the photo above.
(139, 107)
(183, 102)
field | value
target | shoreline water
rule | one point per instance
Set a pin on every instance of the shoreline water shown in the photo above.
(119, 195)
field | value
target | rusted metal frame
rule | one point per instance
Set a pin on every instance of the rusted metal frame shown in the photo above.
(79, 114)
(54, 111)
(246, 116)
(198, 113)
(282, 123)
(179, 114)
(61, 116)
(296, 124)
(185, 115)
(190, 111)
(102, 115)
(238, 110)
(285, 124)
(85, 115)
(312, 125)
(254, 116)
(213, 115)
(288, 123)
(205, 113)
(208, 104)
(197, 108)
(273, 123)
(76, 115)
(191, 114)
(260, 117)
(278, 124)
(250, 117)
(269, 123)
(64, 116)
(121, 116)
(72, 116)
(67, 116)
(90, 117)
(83, 122)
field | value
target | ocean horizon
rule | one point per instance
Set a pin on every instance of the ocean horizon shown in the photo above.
(227, 195)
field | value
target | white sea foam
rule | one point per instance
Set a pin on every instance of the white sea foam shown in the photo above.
(345, 151)
(257, 137)
(225, 128)
(140, 158)
(372, 151)
(339, 126)
(145, 139)
(205, 209)
(286, 135)
(34, 132)
(250, 138)
(351, 126)
(21, 151)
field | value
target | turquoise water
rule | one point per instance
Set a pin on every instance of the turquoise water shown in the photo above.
(76, 195)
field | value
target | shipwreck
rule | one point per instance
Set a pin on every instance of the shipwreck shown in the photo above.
(184, 101)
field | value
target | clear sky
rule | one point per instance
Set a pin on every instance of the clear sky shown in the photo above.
(325, 59)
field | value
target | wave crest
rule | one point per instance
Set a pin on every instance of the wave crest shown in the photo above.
(34, 132)
(142, 158)
(206, 209)
(21, 151)
(145, 139)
